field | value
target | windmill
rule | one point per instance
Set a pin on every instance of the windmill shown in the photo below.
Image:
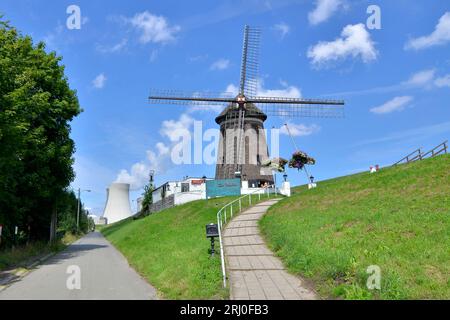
(238, 155)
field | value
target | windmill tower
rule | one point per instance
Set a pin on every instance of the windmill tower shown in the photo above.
(242, 145)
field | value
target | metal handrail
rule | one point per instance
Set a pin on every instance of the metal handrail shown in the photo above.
(432, 151)
(419, 151)
(222, 219)
(422, 155)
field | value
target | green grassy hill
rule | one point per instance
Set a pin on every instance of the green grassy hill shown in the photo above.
(398, 219)
(170, 249)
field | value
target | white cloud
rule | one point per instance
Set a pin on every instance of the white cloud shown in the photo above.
(197, 58)
(232, 89)
(172, 128)
(112, 49)
(99, 81)
(443, 81)
(324, 9)
(355, 41)
(162, 148)
(425, 79)
(138, 176)
(299, 130)
(287, 92)
(153, 28)
(282, 28)
(220, 64)
(421, 78)
(396, 104)
(157, 159)
(439, 36)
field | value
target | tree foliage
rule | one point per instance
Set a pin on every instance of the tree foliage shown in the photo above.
(36, 107)
(147, 198)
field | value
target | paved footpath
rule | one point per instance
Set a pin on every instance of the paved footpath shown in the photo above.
(105, 274)
(254, 272)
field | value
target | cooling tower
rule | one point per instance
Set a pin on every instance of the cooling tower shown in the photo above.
(117, 202)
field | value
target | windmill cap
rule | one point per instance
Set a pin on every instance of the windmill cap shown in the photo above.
(252, 111)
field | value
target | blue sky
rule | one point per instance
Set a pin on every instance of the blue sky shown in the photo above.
(395, 80)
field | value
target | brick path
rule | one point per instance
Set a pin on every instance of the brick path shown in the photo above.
(254, 272)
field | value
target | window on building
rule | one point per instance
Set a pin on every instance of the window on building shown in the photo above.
(185, 187)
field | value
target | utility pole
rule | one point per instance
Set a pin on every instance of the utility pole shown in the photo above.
(78, 210)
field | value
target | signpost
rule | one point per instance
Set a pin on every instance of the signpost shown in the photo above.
(212, 231)
(221, 188)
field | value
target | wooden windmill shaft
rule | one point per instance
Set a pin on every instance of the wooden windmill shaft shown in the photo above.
(246, 113)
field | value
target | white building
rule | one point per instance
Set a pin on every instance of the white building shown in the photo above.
(173, 193)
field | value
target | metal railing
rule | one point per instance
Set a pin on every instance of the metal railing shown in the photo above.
(434, 152)
(226, 213)
(416, 154)
(419, 155)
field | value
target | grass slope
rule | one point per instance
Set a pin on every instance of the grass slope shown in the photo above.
(170, 249)
(23, 255)
(398, 219)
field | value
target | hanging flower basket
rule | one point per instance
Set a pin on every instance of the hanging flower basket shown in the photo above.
(300, 159)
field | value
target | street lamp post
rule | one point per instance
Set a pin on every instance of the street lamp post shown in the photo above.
(78, 210)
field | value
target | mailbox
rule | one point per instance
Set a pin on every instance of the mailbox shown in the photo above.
(212, 230)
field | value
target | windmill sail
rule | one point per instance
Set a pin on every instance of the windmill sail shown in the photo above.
(249, 66)
(296, 107)
(177, 97)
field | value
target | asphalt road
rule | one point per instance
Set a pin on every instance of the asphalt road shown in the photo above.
(103, 274)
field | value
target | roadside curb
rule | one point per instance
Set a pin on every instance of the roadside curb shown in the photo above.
(20, 272)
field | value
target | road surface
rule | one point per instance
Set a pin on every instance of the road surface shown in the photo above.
(104, 274)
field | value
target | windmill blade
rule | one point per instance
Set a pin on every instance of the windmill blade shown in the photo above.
(281, 100)
(190, 98)
(297, 107)
(249, 66)
(302, 110)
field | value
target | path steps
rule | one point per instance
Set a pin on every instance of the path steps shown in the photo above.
(254, 272)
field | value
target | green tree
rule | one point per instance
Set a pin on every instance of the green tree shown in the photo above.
(147, 198)
(36, 107)
(67, 214)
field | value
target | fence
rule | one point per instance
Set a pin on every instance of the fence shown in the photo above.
(226, 213)
(165, 203)
(419, 155)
